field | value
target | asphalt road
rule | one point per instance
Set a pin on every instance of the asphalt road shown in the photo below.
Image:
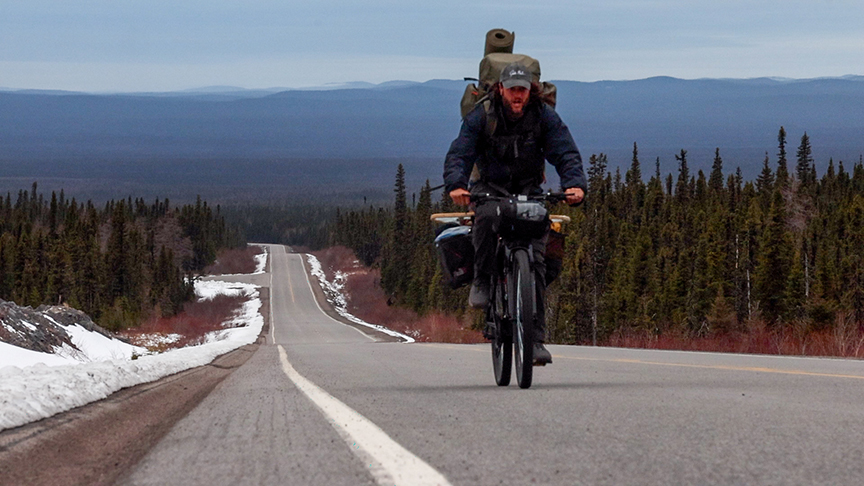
(324, 403)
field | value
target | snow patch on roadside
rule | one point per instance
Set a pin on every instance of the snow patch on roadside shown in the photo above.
(40, 385)
(208, 289)
(335, 296)
(260, 261)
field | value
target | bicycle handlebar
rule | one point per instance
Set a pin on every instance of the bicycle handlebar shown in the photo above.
(552, 197)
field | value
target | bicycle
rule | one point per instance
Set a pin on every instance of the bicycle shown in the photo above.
(512, 310)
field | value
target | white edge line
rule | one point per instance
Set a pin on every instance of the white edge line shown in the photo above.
(272, 318)
(309, 282)
(356, 320)
(388, 462)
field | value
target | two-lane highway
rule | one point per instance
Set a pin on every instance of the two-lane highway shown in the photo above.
(324, 403)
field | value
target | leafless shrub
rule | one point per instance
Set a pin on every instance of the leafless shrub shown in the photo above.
(192, 325)
(235, 260)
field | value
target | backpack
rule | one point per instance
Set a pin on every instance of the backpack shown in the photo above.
(498, 55)
(490, 71)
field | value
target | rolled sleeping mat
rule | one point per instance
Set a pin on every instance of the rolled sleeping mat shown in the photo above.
(499, 40)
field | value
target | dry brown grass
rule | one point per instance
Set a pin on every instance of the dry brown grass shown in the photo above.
(196, 320)
(367, 301)
(845, 339)
(234, 261)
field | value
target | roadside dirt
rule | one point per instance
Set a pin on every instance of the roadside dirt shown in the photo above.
(98, 443)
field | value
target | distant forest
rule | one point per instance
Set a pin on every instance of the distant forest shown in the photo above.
(118, 263)
(694, 254)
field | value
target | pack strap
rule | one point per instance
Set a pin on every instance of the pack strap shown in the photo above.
(491, 118)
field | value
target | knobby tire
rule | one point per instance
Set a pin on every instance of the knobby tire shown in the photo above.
(523, 297)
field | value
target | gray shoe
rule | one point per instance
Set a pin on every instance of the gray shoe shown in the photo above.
(542, 356)
(479, 296)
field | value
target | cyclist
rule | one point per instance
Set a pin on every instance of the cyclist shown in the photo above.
(510, 157)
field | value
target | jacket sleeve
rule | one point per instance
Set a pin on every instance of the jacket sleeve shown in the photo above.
(561, 151)
(463, 153)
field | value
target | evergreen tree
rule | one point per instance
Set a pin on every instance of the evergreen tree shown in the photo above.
(794, 300)
(715, 182)
(773, 264)
(682, 187)
(423, 261)
(804, 166)
(782, 179)
(397, 257)
(765, 184)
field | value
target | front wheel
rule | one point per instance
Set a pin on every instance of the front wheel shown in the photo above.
(502, 342)
(524, 301)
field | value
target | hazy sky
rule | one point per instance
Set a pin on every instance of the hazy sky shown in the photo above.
(130, 45)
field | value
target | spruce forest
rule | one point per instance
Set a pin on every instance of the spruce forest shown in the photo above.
(119, 263)
(691, 255)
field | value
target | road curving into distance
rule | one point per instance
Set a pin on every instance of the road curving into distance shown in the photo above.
(321, 402)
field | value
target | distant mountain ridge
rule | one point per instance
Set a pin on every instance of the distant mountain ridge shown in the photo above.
(214, 134)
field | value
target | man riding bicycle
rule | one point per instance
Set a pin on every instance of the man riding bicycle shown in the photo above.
(509, 143)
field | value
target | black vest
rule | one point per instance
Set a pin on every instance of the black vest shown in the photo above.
(511, 153)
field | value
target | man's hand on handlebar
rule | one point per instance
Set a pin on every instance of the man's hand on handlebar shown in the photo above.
(574, 195)
(460, 196)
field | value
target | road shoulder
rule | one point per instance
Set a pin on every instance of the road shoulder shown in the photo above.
(327, 307)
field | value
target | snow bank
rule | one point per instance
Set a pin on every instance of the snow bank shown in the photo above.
(92, 346)
(260, 261)
(14, 356)
(31, 392)
(334, 295)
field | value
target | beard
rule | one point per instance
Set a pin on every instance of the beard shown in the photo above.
(512, 112)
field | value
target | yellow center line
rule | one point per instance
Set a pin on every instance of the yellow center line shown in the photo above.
(753, 369)
(290, 285)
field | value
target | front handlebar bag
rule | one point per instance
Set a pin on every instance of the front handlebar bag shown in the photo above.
(523, 219)
(456, 254)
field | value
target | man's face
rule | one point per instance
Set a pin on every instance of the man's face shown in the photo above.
(515, 98)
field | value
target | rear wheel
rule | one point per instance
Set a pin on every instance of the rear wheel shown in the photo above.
(502, 343)
(523, 317)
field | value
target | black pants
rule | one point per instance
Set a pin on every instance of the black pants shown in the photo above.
(485, 238)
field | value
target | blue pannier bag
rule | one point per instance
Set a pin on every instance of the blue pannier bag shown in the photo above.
(456, 254)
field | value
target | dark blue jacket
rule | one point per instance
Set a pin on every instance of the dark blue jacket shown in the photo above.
(514, 156)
